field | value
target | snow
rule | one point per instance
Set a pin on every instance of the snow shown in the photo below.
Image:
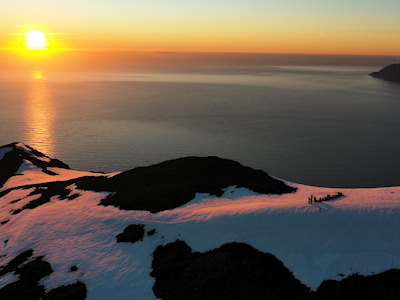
(16, 199)
(356, 233)
(28, 174)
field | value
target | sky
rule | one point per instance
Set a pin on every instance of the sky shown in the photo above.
(285, 26)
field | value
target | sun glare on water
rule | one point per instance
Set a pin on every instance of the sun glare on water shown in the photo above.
(36, 40)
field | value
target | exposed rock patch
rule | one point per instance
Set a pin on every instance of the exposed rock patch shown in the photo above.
(13, 264)
(34, 270)
(151, 232)
(385, 285)
(22, 290)
(57, 188)
(238, 271)
(30, 273)
(233, 271)
(131, 234)
(73, 269)
(76, 291)
(390, 73)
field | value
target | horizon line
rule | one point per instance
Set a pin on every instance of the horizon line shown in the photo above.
(197, 52)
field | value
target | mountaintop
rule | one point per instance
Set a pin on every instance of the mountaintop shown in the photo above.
(17, 157)
(194, 227)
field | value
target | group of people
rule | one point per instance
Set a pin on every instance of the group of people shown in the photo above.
(312, 199)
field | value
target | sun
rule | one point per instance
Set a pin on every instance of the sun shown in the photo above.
(35, 40)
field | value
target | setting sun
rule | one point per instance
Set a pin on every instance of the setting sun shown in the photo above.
(35, 40)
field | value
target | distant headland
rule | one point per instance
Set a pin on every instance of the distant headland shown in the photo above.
(390, 73)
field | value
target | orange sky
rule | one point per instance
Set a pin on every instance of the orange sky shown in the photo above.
(339, 27)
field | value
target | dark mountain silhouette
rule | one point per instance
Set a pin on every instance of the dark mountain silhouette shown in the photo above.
(390, 73)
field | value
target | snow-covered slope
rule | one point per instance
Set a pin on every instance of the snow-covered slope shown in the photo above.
(356, 233)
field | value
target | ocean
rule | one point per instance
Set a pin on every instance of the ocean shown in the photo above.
(312, 119)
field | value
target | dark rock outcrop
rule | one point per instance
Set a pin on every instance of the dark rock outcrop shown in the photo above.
(233, 271)
(30, 273)
(131, 234)
(76, 291)
(14, 264)
(151, 232)
(34, 270)
(73, 269)
(175, 182)
(238, 271)
(45, 191)
(390, 73)
(385, 285)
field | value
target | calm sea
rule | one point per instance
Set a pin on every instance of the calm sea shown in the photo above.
(318, 120)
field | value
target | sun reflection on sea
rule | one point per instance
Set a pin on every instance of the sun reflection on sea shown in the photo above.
(37, 75)
(40, 115)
